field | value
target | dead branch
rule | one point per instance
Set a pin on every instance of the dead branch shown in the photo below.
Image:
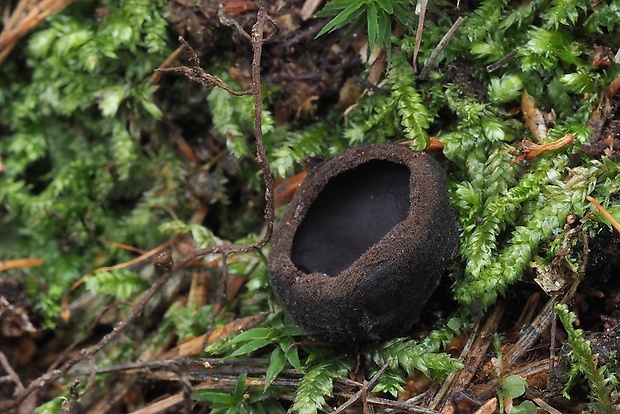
(418, 33)
(440, 46)
(368, 386)
(501, 62)
(4, 363)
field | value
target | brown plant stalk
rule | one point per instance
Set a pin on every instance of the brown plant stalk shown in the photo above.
(27, 15)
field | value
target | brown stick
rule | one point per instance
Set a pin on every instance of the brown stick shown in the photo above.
(605, 213)
(4, 363)
(418, 34)
(440, 46)
(20, 263)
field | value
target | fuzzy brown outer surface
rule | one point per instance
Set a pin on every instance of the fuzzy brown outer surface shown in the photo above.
(381, 294)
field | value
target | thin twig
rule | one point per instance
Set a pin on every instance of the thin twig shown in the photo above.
(496, 65)
(12, 374)
(368, 386)
(197, 74)
(167, 62)
(78, 341)
(605, 213)
(220, 304)
(304, 34)
(230, 22)
(400, 406)
(442, 44)
(418, 33)
(552, 345)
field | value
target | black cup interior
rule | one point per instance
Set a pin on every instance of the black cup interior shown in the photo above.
(353, 211)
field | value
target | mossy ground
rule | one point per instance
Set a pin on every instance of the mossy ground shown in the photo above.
(102, 160)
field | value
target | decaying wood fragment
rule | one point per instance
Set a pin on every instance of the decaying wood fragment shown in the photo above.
(194, 346)
(534, 118)
(530, 336)
(613, 87)
(285, 190)
(488, 407)
(529, 149)
(309, 8)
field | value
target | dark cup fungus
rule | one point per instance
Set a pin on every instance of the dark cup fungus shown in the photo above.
(364, 243)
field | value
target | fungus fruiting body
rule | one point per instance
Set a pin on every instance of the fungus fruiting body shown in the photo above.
(364, 243)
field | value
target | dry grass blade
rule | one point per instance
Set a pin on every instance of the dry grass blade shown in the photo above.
(418, 34)
(367, 387)
(440, 46)
(309, 8)
(529, 149)
(27, 15)
(605, 213)
(20, 263)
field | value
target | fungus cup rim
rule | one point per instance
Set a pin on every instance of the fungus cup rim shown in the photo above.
(355, 304)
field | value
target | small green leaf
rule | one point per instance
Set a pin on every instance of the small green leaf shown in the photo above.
(386, 5)
(482, 49)
(455, 324)
(373, 26)
(403, 13)
(253, 334)
(513, 386)
(111, 99)
(120, 284)
(250, 347)
(215, 396)
(293, 358)
(526, 407)
(291, 352)
(385, 29)
(346, 16)
(335, 7)
(318, 383)
(152, 108)
(505, 89)
(240, 388)
(493, 130)
(277, 361)
(579, 82)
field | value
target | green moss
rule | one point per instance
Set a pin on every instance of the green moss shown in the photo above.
(76, 173)
(88, 161)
